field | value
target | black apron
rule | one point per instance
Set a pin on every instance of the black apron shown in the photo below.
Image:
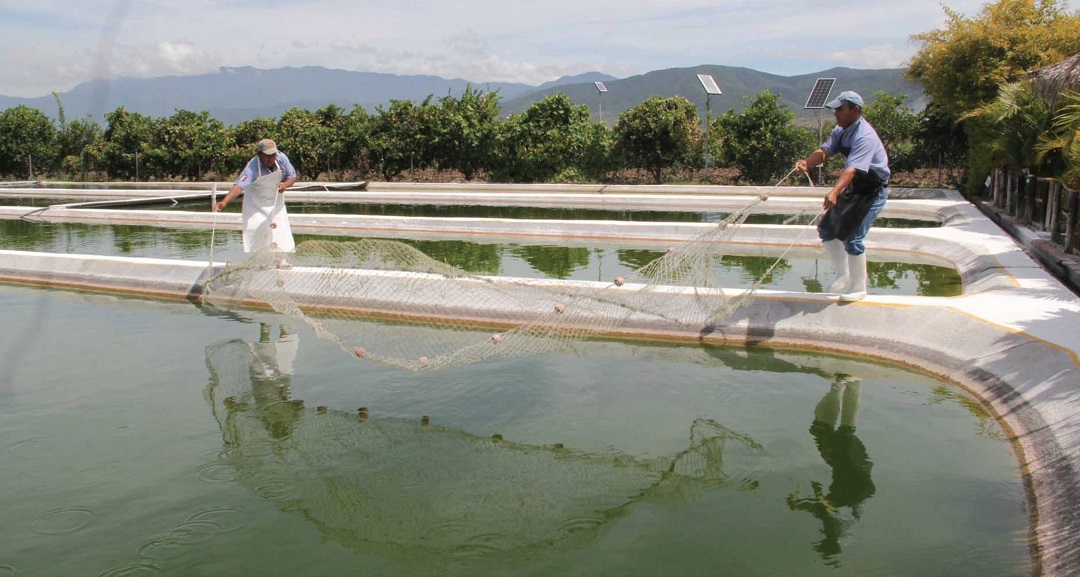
(842, 220)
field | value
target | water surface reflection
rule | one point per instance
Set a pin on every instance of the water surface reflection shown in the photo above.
(427, 495)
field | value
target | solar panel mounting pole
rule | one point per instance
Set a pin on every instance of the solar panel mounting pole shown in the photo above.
(817, 99)
(710, 86)
(600, 89)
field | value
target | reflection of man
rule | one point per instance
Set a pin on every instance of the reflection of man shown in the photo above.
(272, 370)
(263, 182)
(276, 357)
(850, 463)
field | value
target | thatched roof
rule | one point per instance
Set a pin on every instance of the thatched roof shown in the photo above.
(1051, 81)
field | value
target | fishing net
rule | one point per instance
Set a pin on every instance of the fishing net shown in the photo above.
(339, 287)
(426, 494)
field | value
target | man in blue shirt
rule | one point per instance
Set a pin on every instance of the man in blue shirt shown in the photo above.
(263, 182)
(858, 197)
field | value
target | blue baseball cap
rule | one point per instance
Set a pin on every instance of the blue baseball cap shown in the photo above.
(846, 96)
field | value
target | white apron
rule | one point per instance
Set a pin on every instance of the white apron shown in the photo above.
(266, 224)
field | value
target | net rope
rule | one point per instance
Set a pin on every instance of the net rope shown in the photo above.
(385, 301)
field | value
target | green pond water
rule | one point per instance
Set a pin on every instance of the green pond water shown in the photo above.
(598, 262)
(539, 213)
(146, 438)
(40, 202)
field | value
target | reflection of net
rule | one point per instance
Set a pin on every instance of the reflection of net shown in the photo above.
(426, 494)
(330, 284)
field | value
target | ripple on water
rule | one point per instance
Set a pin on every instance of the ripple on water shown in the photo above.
(63, 521)
(275, 488)
(227, 520)
(180, 536)
(8, 571)
(481, 545)
(198, 528)
(575, 525)
(449, 529)
(473, 551)
(216, 473)
(136, 569)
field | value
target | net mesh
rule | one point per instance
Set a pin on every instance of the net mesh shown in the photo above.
(339, 287)
(425, 493)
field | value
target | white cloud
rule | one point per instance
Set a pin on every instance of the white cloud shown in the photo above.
(880, 56)
(467, 42)
(54, 44)
(162, 59)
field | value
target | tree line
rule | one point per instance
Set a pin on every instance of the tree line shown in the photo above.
(553, 141)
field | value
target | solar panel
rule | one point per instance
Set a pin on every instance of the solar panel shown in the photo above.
(820, 94)
(709, 84)
(600, 86)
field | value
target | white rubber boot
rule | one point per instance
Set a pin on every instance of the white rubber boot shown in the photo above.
(828, 408)
(839, 259)
(849, 407)
(857, 269)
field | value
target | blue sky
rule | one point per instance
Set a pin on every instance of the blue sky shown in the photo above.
(55, 44)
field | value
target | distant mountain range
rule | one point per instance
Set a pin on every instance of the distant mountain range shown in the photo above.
(236, 94)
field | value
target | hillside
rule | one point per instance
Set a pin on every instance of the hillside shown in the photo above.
(235, 94)
(737, 85)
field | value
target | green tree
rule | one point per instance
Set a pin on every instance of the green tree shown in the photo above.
(940, 140)
(310, 138)
(80, 147)
(464, 136)
(1062, 141)
(355, 144)
(597, 158)
(1015, 121)
(896, 125)
(961, 66)
(27, 141)
(242, 140)
(335, 124)
(549, 141)
(657, 134)
(248, 132)
(763, 141)
(188, 145)
(78, 143)
(128, 136)
(399, 137)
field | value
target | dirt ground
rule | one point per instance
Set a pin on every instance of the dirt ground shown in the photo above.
(919, 178)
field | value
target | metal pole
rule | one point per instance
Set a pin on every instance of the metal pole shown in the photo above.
(820, 136)
(939, 170)
(30, 158)
(600, 112)
(708, 121)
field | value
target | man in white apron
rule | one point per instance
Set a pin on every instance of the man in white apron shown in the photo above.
(263, 183)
